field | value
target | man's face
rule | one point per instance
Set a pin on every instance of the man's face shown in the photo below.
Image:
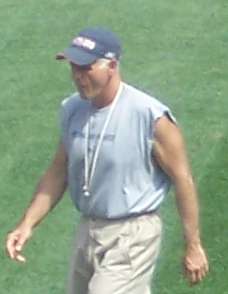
(90, 80)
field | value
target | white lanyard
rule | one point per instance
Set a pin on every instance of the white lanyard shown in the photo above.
(90, 168)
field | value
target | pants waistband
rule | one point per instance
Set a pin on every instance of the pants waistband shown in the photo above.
(127, 217)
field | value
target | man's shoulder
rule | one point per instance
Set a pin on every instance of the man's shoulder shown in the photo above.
(71, 101)
(71, 105)
(140, 98)
(145, 104)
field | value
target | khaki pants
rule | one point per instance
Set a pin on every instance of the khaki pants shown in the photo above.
(115, 256)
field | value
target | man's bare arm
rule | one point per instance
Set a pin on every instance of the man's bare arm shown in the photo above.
(49, 191)
(170, 153)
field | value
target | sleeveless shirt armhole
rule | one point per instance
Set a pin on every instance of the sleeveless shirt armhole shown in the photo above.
(165, 112)
(63, 118)
(67, 108)
(170, 116)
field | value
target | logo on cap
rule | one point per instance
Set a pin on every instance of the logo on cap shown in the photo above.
(84, 42)
(110, 55)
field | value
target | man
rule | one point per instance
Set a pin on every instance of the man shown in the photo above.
(118, 152)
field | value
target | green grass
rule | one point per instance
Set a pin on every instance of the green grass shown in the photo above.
(176, 50)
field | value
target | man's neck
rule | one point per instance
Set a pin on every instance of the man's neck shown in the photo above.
(107, 95)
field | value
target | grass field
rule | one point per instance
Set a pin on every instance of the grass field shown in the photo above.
(176, 50)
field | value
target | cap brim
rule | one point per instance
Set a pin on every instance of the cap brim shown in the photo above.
(77, 56)
(60, 56)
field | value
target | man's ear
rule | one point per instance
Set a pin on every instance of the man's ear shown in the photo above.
(113, 64)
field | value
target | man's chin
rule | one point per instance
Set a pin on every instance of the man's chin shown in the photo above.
(86, 95)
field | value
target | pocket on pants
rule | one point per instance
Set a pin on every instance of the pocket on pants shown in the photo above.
(112, 251)
(117, 257)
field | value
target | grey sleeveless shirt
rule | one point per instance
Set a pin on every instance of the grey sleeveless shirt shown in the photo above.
(127, 181)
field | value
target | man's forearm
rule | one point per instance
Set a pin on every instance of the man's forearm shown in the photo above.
(187, 203)
(48, 192)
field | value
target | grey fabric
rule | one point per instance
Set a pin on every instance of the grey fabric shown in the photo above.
(126, 181)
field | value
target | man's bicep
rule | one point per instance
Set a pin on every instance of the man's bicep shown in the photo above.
(169, 148)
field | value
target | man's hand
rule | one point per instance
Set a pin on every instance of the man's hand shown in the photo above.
(15, 242)
(195, 264)
(48, 193)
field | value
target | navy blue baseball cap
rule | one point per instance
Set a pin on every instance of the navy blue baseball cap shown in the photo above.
(91, 44)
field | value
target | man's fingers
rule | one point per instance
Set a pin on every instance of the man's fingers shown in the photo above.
(196, 275)
(14, 246)
(191, 276)
(206, 267)
(20, 258)
(199, 276)
(18, 249)
(10, 245)
(204, 270)
(20, 244)
(196, 264)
